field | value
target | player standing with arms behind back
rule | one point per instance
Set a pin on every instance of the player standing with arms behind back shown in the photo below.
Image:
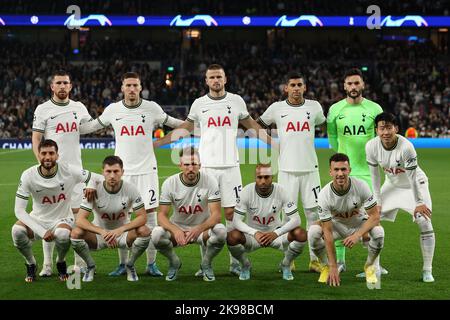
(134, 120)
(296, 119)
(59, 119)
(350, 124)
(219, 113)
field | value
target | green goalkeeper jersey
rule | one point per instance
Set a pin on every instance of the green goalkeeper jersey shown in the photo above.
(349, 128)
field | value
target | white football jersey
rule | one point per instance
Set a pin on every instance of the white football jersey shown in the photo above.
(401, 157)
(51, 195)
(60, 122)
(133, 129)
(189, 201)
(348, 207)
(263, 212)
(111, 209)
(296, 130)
(219, 119)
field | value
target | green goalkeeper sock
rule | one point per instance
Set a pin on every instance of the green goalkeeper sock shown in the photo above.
(340, 251)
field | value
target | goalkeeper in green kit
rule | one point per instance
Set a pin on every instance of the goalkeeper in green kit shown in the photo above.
(350, 124)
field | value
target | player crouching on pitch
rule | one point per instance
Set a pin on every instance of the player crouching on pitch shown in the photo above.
(347, 211)
(262, 203)
(111, 227)
(195, 197)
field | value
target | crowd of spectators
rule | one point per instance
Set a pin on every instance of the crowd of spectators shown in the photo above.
(226, 7)
(408, 79)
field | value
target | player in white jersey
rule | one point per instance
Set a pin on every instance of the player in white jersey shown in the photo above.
(59, 119)
(133, 120)
(347, 211)
(298, 168)
(51, 187)
(405, 186)
(219, 113)
(195, 197)
(261, 203)
(111, 227)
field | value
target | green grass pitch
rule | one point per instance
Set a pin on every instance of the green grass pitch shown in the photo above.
(401, 254)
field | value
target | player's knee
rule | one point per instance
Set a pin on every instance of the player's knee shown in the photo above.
(77, 233)
(143, 231)
(424, 223)
(220, 232)
(62, 234)
(157, 234)
(234, 237)
(19, 235)
(300, 234)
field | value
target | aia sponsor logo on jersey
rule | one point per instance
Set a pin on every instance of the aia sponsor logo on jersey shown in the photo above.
(54, 199)
(297, 126)
(354, 130)
(394, 171)
(66, 127)
(346, 215)
(191, 209)
(114, 216)
(263, 220)
(132, 131)
(219, 121)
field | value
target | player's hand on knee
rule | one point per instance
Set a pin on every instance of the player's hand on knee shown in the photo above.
(350, 241)
(193, 234)
(180, 237)
(423, 210)
(110, 239)
(268, 237)
(48, 236)
(259, 237)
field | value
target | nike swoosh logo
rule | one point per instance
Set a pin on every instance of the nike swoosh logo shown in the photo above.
(53, 117)
(39, 190)
(178, 199)
(203, 111)
(117, 119)
(341, 117)
(284, 115)
(101, 206)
